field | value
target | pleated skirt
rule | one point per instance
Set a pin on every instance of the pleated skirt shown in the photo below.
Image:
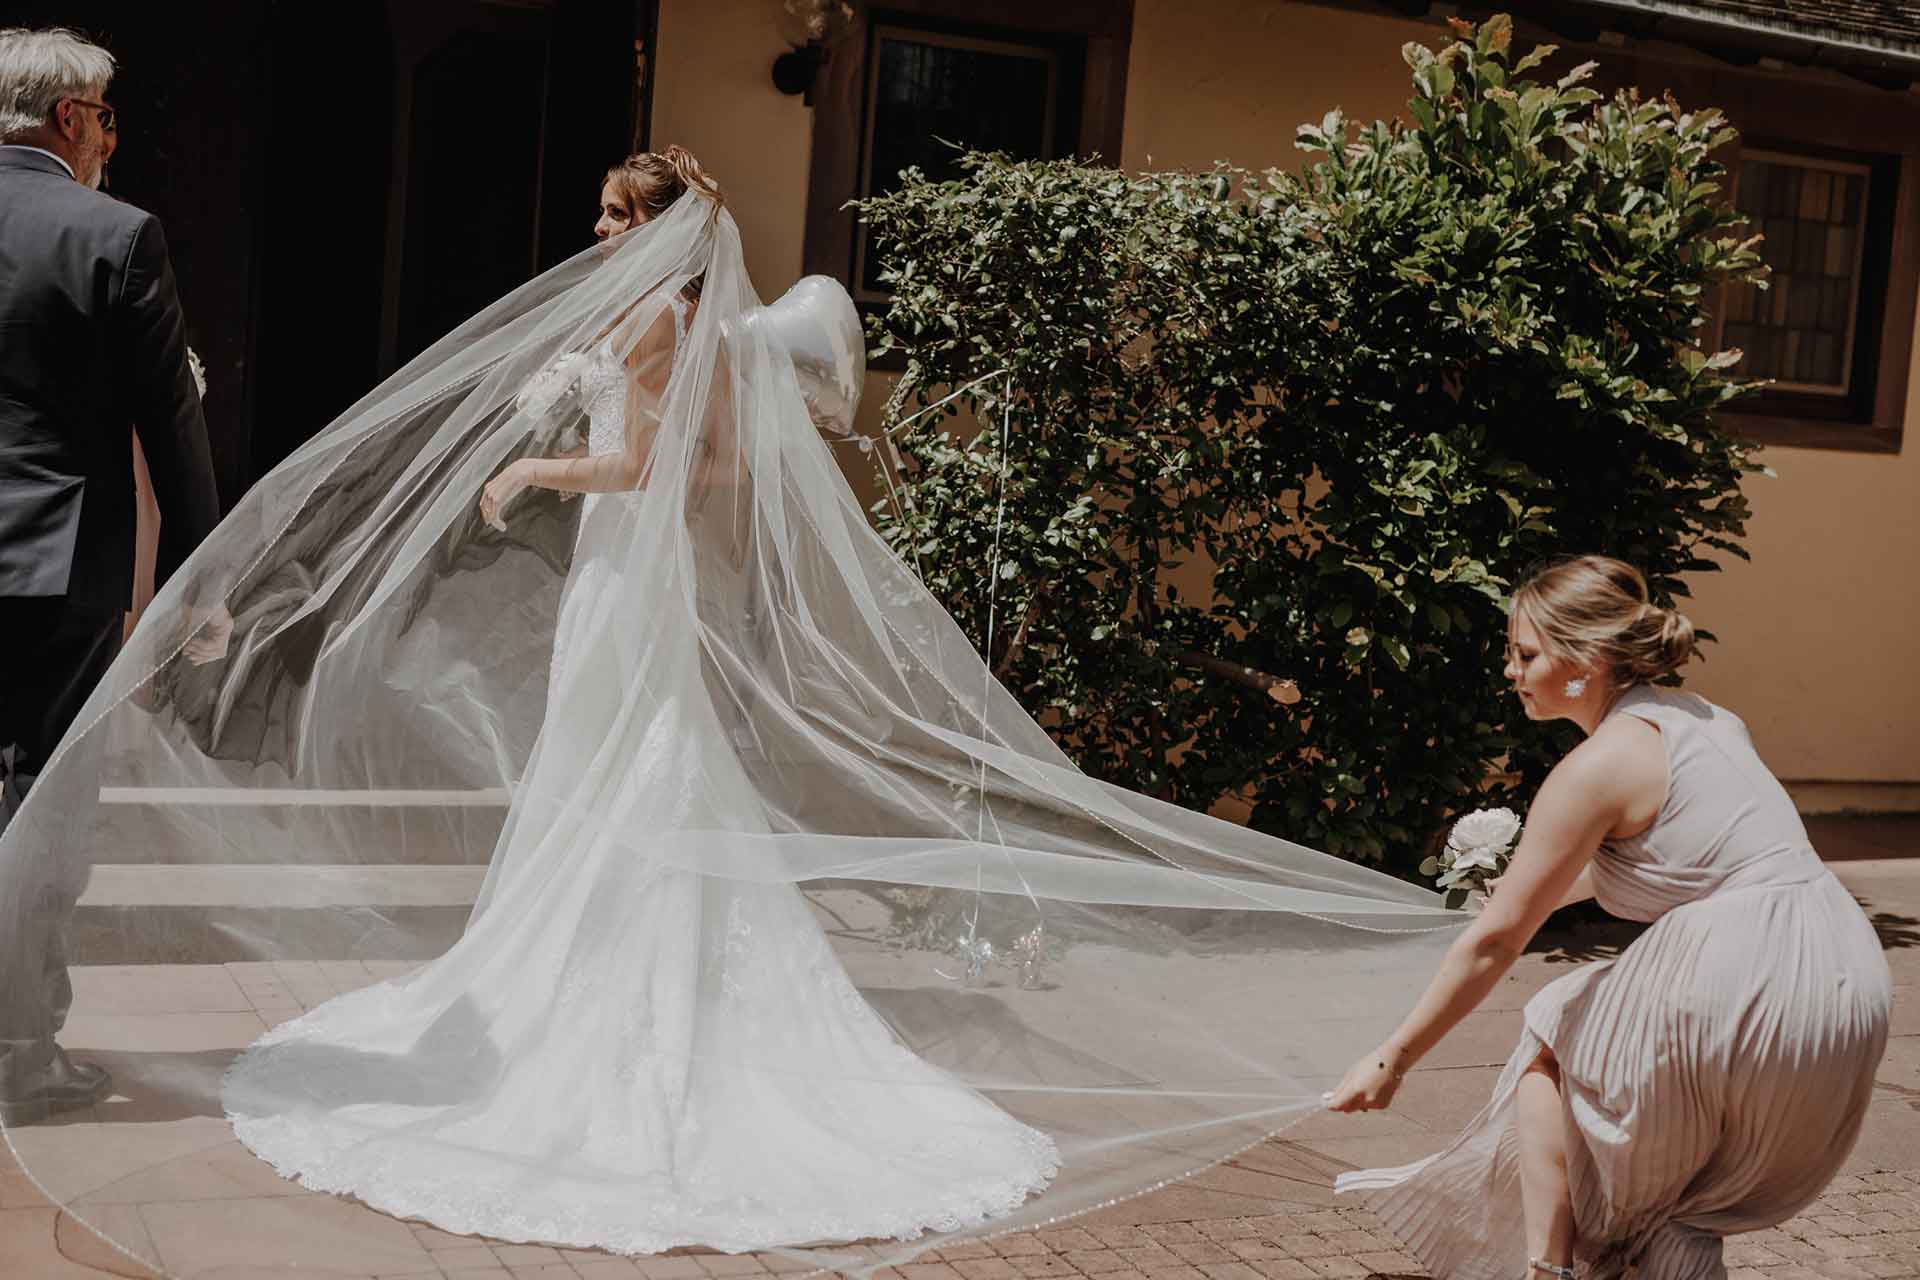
(1714, 1078)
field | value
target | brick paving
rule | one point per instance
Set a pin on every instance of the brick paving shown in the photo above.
(1867, 1225)
(1266, 1215)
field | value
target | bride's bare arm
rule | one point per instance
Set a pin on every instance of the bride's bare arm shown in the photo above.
(718, 462)
(578, 451)
(649, 365)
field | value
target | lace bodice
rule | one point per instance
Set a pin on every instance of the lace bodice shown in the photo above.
(604, 382)
(603, 394)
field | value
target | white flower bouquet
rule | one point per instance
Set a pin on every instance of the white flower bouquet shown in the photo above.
(550, 397)
(1477, 851)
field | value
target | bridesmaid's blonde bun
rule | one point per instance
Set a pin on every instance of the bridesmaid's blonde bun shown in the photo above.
(1593, 611)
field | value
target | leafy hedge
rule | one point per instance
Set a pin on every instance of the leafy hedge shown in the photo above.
(1348, 408)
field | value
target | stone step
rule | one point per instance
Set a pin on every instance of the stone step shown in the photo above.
(222, 913)
(249, 885)
(270, 826)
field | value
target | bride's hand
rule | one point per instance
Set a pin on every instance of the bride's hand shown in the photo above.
(1369, 1084)
(501, 490)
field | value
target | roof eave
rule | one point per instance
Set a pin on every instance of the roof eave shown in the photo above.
(1897, 63)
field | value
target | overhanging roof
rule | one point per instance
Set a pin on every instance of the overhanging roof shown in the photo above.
(1861, 26)
(1876, 40)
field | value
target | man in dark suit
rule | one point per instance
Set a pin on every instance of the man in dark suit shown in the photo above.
(91, 341)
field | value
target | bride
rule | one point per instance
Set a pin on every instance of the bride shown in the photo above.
(681, 1056)
(638, 855)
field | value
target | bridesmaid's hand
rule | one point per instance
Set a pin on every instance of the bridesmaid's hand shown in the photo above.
(1369, 1084)
(1477, 899)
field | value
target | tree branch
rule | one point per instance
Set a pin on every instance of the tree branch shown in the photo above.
(1143, 601)
(1019, 640)
(1284, 692)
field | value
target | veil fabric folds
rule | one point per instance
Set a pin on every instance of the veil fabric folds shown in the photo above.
(531, 792)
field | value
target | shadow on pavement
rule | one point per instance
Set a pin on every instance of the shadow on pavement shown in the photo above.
(1581, 933)
(1896, 932)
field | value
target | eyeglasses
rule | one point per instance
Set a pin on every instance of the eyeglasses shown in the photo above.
(109, 122)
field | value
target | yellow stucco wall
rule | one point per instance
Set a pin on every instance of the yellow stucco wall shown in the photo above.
(1229, 79)
(1818, 637)
(713, 94)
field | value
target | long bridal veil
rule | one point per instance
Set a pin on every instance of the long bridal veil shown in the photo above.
(753, 689)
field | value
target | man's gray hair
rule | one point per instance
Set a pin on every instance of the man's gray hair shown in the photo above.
(38, 68)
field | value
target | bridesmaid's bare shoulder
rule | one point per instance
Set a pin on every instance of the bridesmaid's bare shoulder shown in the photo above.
(1626, 762)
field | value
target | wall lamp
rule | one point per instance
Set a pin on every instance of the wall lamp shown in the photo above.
(810, 27)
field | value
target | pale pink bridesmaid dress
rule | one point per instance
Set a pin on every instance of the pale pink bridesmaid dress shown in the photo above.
(1715, 1074)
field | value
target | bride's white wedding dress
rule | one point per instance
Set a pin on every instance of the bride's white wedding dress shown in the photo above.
(619, 1054)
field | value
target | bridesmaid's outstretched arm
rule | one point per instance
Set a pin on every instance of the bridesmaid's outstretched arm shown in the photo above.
(1588, 795)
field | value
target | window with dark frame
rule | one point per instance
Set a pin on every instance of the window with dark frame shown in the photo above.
(1816, 332)
(1801, 331)
(932, 87)
(1038, 81)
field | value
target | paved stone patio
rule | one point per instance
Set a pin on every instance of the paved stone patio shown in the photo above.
(1268, 1214)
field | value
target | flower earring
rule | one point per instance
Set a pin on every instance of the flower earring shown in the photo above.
(1576, 686)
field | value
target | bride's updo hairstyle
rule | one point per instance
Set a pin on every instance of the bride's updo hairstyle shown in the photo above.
(1592, 611)
(650, 181)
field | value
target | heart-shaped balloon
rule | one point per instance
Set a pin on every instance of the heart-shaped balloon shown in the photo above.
(816, 323)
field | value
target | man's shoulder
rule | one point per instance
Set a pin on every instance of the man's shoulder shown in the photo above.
(57, 197)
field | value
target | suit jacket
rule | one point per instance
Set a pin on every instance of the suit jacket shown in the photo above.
(91, 342)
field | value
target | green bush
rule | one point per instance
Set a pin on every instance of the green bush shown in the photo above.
(1366, 398)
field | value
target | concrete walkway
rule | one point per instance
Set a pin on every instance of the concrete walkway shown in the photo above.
(1268, 1214)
